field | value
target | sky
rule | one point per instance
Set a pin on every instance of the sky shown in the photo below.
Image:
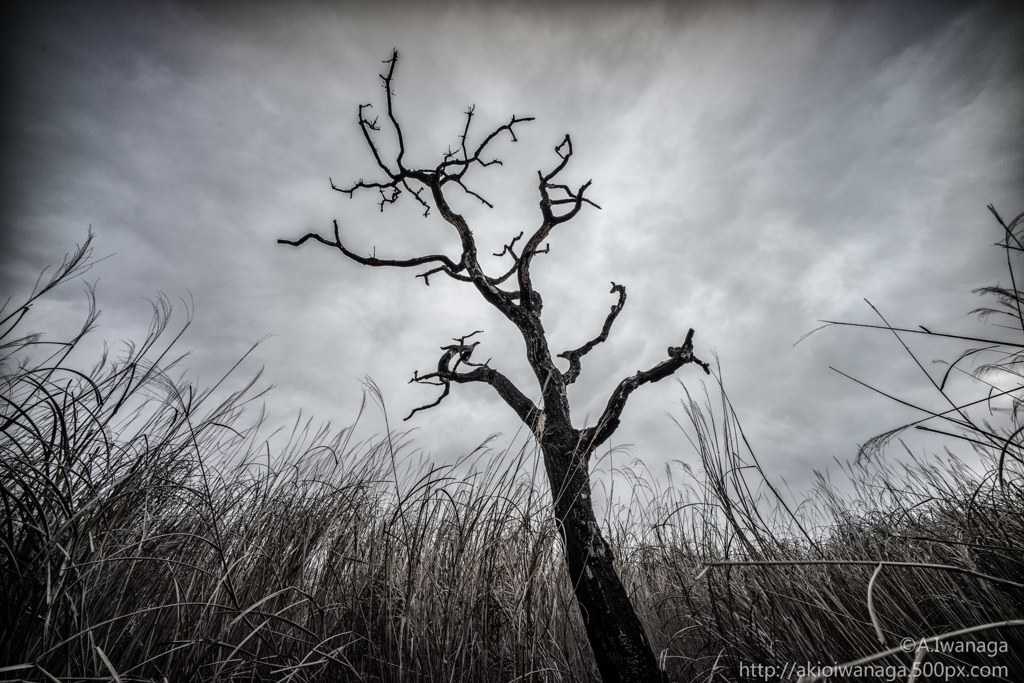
(759, 167)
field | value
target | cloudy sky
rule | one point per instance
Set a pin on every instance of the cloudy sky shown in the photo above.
(760, 166)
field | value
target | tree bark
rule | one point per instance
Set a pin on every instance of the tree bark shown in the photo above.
(617, 637)
(621, 648)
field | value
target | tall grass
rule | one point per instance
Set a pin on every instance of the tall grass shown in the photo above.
(148, 534)
(152, 532)
(733, 578)
(927, 555)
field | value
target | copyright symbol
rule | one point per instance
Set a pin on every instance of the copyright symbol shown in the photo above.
(908, 644)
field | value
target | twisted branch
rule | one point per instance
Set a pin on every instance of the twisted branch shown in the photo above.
(447, 372)
(574, 356)
(550, 219)
(678, 356)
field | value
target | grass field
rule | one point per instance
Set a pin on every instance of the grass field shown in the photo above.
(151, 533)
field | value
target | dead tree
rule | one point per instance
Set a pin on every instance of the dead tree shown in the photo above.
(616, 634)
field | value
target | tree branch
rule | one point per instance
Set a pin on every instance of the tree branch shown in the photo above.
(678, 356)
(391, 110)
(550, 219)
(448, 265)
(493, 280)
(471, 193)
(451, 169)
(467, 161)
(575, 198)
(510, 246)
(366, 126)
(447, 271)
(462, 138)
(574, 356)
(447, 372)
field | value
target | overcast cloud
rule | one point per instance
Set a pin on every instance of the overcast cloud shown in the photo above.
(760, 166)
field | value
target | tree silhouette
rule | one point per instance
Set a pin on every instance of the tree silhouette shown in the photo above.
(620, 646)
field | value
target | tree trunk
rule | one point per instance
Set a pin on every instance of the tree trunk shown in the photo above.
(617, 637)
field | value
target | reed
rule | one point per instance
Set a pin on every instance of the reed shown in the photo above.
(152, 531)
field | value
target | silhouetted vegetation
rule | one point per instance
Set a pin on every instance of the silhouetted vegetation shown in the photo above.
(151, 532)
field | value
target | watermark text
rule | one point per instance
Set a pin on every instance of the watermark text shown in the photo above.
(936, 671)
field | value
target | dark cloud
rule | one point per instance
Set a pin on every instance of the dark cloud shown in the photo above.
(759, 167)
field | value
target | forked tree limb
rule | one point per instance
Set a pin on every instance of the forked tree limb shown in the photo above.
(451, 168)
(574, 356)
(678, 356)
(550, 219)
(447, 372)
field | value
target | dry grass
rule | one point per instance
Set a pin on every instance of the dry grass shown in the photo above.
(151, 533)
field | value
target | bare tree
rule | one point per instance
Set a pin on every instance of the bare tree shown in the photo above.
(616, 634)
